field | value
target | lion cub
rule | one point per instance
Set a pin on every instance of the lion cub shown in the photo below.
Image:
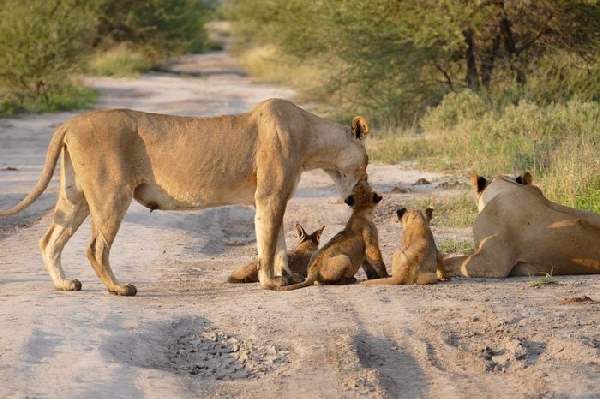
(345, 253)
(417, 261)
(298, 258)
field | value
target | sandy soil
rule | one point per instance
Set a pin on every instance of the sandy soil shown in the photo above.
(190, 334)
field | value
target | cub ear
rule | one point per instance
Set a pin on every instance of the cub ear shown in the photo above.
(359, 127)
(477, 182)
(300, 230)
(317, 234)
(400, 212)
(349, 200)
(429, 214)
(377, 198)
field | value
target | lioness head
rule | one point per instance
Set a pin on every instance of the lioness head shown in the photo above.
(363, 198)
(309, 241)
(485, 190)
(408, 218)
(351, 163)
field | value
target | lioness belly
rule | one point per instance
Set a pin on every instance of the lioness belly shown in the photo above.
(153, 196)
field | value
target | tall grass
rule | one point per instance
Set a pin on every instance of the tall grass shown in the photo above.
(558, 143)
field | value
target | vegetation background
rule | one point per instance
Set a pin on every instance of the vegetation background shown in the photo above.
(493, 86)
(45, 45)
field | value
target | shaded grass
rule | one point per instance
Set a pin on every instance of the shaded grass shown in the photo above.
(64, 98)
(456, 246)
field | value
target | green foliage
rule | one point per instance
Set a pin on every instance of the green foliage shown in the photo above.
(119, 61)
(157, 26)
(62, 98)
(44, 43)
(41, 44)
(392, 60)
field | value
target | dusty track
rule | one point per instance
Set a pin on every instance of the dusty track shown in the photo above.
(190, 334)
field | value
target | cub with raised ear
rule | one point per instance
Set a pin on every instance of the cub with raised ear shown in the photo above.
(339, 260)
(298, 259)
(417, 261)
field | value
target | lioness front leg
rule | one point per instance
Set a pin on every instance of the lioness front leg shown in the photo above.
(268, 222)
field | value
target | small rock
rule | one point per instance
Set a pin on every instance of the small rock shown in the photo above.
(421, 181)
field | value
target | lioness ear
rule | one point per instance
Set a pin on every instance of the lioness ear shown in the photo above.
(359, 127)
(349, 200)
(317, 234)
(300, 230)
(400, 212)
(377, 198)
(477, 182)
(429, 214)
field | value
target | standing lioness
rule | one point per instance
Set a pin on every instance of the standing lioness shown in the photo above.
(174, 162)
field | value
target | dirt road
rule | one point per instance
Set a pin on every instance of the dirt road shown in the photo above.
(190, 334)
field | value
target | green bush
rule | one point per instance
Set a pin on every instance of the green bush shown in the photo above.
(41, 44)
(455, 108)
(62, 98)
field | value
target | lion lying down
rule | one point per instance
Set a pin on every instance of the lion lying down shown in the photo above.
(519, 232)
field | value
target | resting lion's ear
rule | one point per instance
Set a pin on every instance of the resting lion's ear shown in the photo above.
(477, 182)
(360, 128)
(525, 179)
(429, 214)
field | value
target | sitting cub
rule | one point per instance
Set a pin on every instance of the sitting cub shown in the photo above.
(345, 253)
(298, 259)
(417, 261)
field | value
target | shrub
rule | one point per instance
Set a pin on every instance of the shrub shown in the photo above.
(41, 44)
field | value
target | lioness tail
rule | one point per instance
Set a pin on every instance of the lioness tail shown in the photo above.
(54, 148)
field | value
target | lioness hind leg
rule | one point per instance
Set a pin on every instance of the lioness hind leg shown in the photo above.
(104, 229)
(70, 212)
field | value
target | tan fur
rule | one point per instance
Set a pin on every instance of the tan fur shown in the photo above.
(173, 162)
(519, 232)
(339, 260)
(416, 261)
(298, 259)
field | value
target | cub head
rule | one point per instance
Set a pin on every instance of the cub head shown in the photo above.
(351, 161)
(363, 197)
(411, 217)
(309, 241)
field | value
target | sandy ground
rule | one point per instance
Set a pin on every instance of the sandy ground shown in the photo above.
(190, 334)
